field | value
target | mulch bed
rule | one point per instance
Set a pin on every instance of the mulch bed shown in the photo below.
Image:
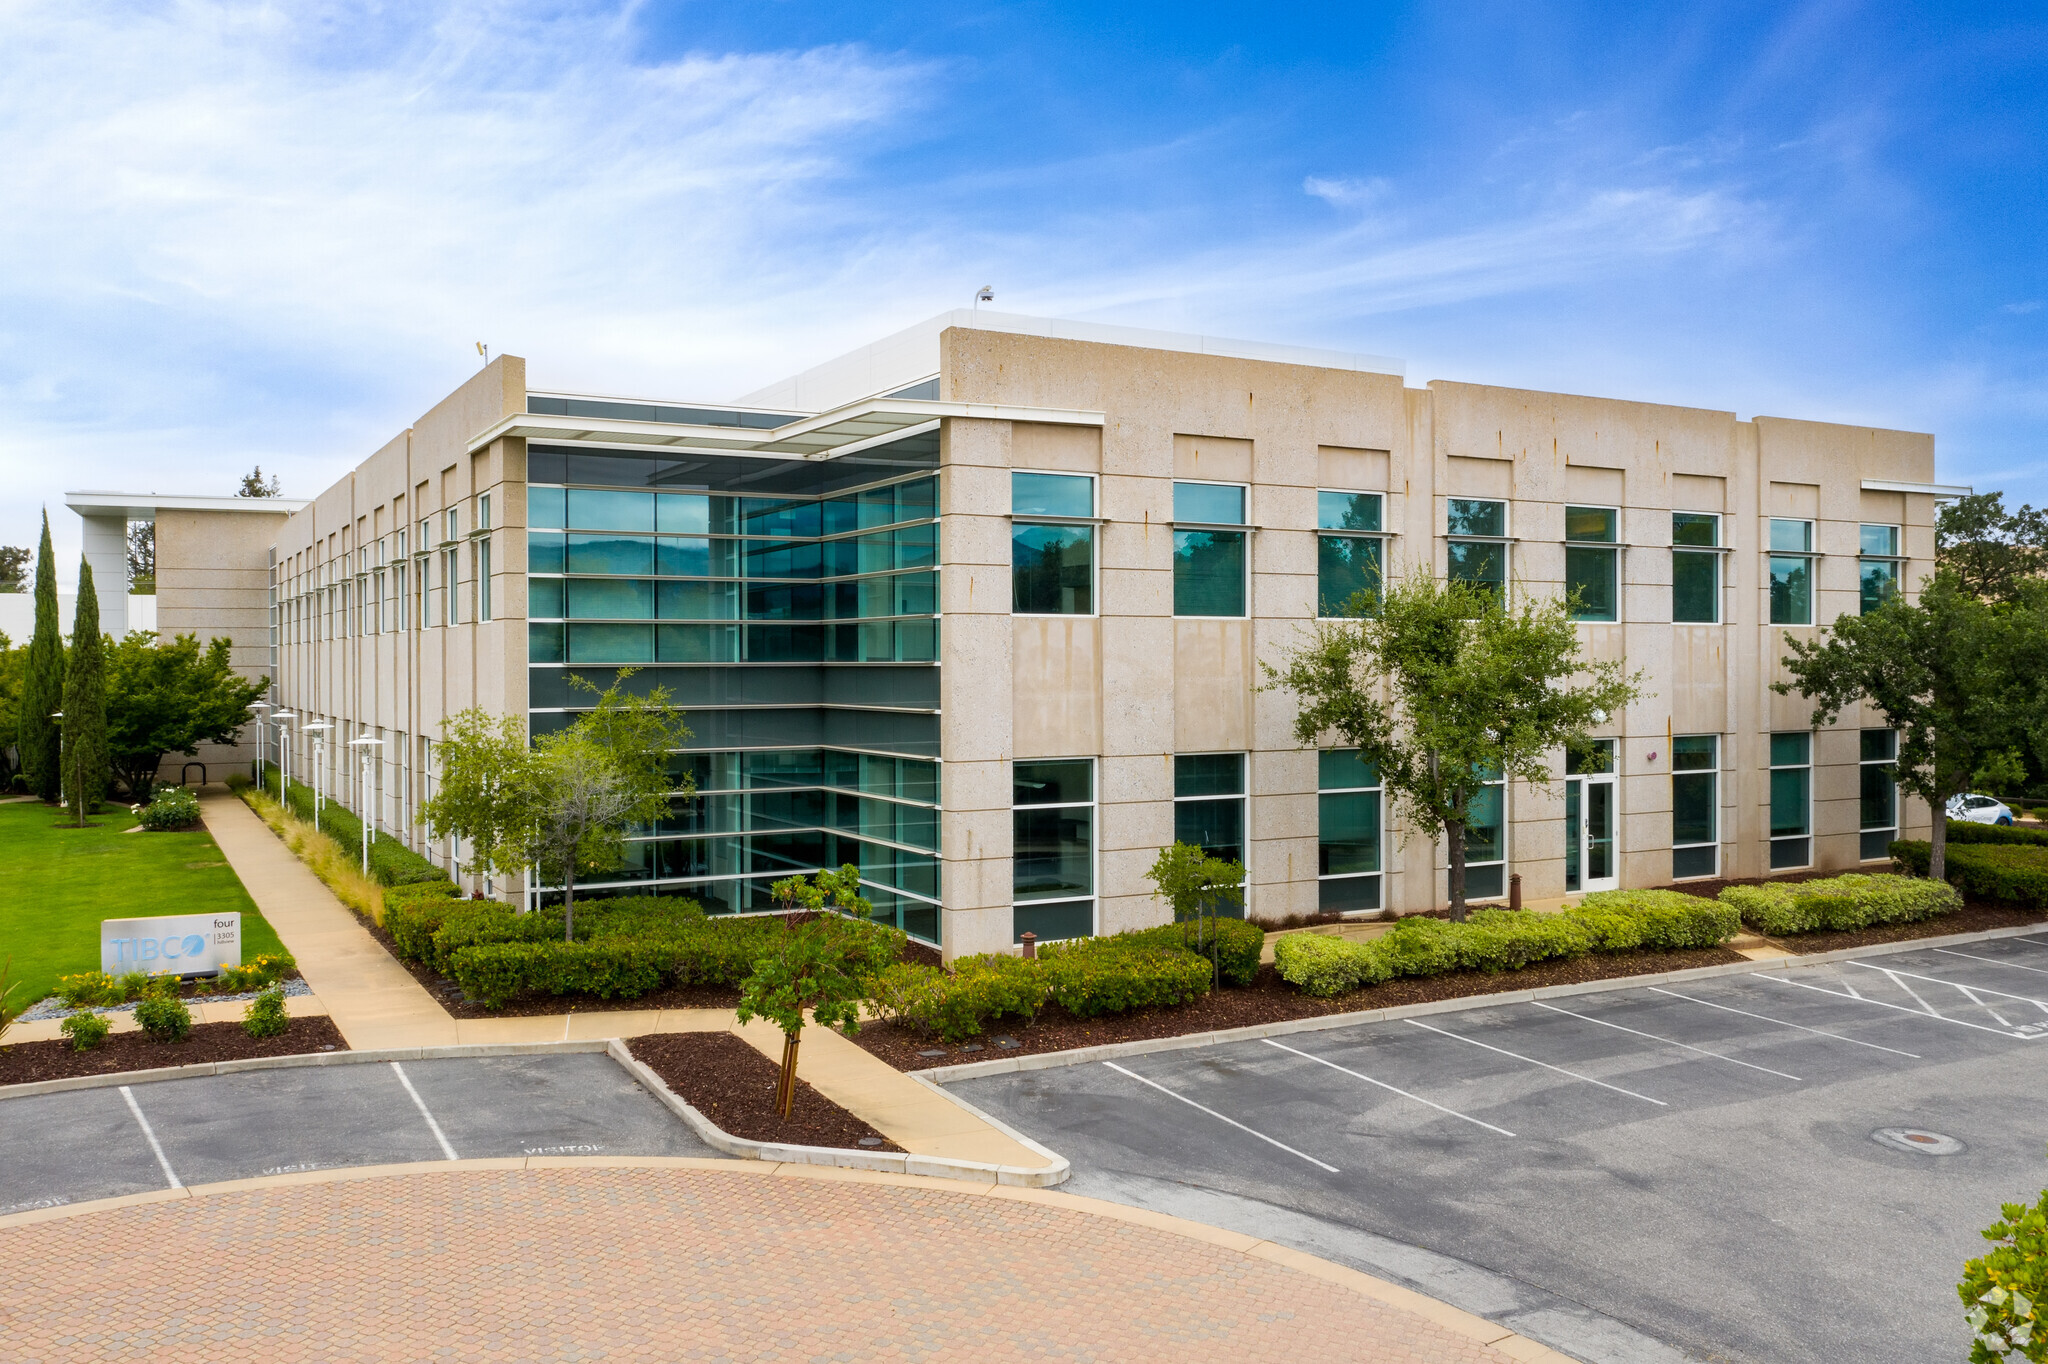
(1974, 917)
(1268, 999)
(730, 1083)
(28, 1061)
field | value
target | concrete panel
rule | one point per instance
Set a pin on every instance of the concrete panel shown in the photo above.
(1043, 445)
(1360, 470)
(1213, 680)
(1057, 694)
(1214, 459)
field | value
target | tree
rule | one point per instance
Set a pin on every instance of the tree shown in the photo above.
(142, 558)
(42, 688)
(170, 698)
(13, 671)
(14, 568)
(1957, 675)
(255, 485)
(1443, 686)
(1991, 552)
(1198, 886)
(821, 966)
(85, 704)
(481, 792)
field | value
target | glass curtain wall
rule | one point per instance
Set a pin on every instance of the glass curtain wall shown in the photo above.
(750, 607)
(1791, 800)
(1053, 854)
(1695, 806)
(1348, 826)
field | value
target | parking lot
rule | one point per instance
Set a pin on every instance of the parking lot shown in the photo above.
(1778, 1166)
(98, 1143)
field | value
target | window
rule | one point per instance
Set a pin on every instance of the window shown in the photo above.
(1879, 789)
(454, 524)
(1877, 568)
(426, 534)
(1208, 803)
(1208, 565)
(1695, 573)
(1486, 844)
(1695, 806)
(483, 511)
(426, 592)
(1478, 549)
(1052, 562)
(376, 603)
(1350, 553)
(1053, 855)
(398, 597)
(450, 572)
(1791, 572)
(1592, 563)
(1791, 800)
(1348, 824)
(483, 578)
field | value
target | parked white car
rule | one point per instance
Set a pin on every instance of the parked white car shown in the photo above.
(1976, 809)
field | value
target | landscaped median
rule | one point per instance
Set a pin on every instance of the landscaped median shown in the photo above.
(1987, 862)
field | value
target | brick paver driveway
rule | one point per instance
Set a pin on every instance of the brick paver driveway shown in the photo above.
(663, 1264)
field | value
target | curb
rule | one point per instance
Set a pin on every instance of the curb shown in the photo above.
(313, 1058)
(1054, 1171)
(938, 1076)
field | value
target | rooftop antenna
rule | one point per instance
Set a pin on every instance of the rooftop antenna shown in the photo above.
(985, 294)
(485, 351)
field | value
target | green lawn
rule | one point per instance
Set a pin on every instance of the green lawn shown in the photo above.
(56, 885)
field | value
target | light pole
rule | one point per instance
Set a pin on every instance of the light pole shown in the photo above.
(262, 747)
(369, 747)
(284, 753)
(318, 730)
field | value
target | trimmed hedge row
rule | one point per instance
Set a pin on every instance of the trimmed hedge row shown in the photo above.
(391, 862)
(1963, 831)
(623, 948)
(2015, 875)
(1504, 940)
(1233, 944)
(1087, 977)
(1855, 900)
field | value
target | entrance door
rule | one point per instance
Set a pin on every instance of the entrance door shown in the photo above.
(1590, 863)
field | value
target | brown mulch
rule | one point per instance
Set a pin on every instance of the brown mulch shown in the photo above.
(123, 1051)
(1268, 999)
(449, 995)
(1974, 917)
(730, 1083)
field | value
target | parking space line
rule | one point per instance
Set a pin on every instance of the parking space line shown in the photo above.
(1882, 1004)
(1665, 1040)
(1970, 990)
(421, 1104)
(150, 1133)
(1384, 1085)
(1545, 1064)
(1220, 1117)
(1766, 1018)
(1994, 961)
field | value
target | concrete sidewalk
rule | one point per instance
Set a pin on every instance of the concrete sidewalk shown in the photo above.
(377, 1004)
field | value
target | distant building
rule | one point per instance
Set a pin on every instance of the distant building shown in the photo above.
(980, 607)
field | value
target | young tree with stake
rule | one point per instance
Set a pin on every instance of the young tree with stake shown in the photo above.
(1440, 686)
(1198, 887)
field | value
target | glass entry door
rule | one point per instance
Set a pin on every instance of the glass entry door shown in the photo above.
(1590, 862)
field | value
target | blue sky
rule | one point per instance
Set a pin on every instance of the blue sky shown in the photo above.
(237, 233)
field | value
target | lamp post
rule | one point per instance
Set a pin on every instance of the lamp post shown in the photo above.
(262, 747)
(284, 752)
(369, 747)
(318, 730)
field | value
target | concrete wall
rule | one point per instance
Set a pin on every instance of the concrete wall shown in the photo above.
(1132, 685)
(213, 580)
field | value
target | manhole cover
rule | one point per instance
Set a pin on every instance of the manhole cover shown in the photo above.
(1918, 1142)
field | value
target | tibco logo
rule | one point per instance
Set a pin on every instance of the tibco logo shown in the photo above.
(158, 949)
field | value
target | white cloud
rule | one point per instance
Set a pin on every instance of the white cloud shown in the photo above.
(1347, 193)
(2032, 305)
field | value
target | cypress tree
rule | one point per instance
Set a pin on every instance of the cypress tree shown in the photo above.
(85, 703)
(42, 690)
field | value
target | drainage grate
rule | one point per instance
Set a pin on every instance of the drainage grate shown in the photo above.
(1920, 1143)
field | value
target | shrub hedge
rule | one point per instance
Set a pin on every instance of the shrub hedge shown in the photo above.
(2015, 875)
(1089, 977)
(266, 1016)
(86, 1031)
(1234, 944)
(1840, 902)
(170, 807)
(97, 989)
(391, 862)
(1962, 831)
(1503, 940)
(164, 1017)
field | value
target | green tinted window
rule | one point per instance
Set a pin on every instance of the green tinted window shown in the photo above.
(1597, 757)
(604, 509)
(1878, 539)
(1791, 750)
(1696, 588)
(1483, 834)
(1788, 801)
(1791, 535)
(1481, 563)
(1695, 528)
(1694, 753)
(1878, 801)
(1214, 826)
(1347, 566)
(1052, 852)
(1347, 511)
(611, 599)
(544, 598)
(1349, 833)
(1052, 495)
(543, 551)
(1878, 745)
(1208, 774)
(544, 510)
(1693, 809)
(611, 644)
(1339, 769)
(544, 643)
(1878, 580)
(686, 512)
(1052, 783)
(1590, 575)
(1217, 503)
(1467, 516)
(1595, 525)
(1208, 573)
(1052, 570)
(1791, 590)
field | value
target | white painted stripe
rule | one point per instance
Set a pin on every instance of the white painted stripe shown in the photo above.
(1953, 985)
(154, 1144)
(1665, 1040)
(447, 1151)
(1766, 1018)
(1994, 961)
(1545, 1064)
(1220, 1117)
(1837, 994)
(1356, 1075)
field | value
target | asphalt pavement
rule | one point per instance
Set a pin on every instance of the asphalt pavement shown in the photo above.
(1785, 1166)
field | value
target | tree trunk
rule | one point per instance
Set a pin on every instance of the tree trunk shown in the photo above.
(1454, 834)
(1937, 844)
(785, 1089)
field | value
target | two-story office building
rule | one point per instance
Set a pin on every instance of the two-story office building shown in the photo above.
(980, 609)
